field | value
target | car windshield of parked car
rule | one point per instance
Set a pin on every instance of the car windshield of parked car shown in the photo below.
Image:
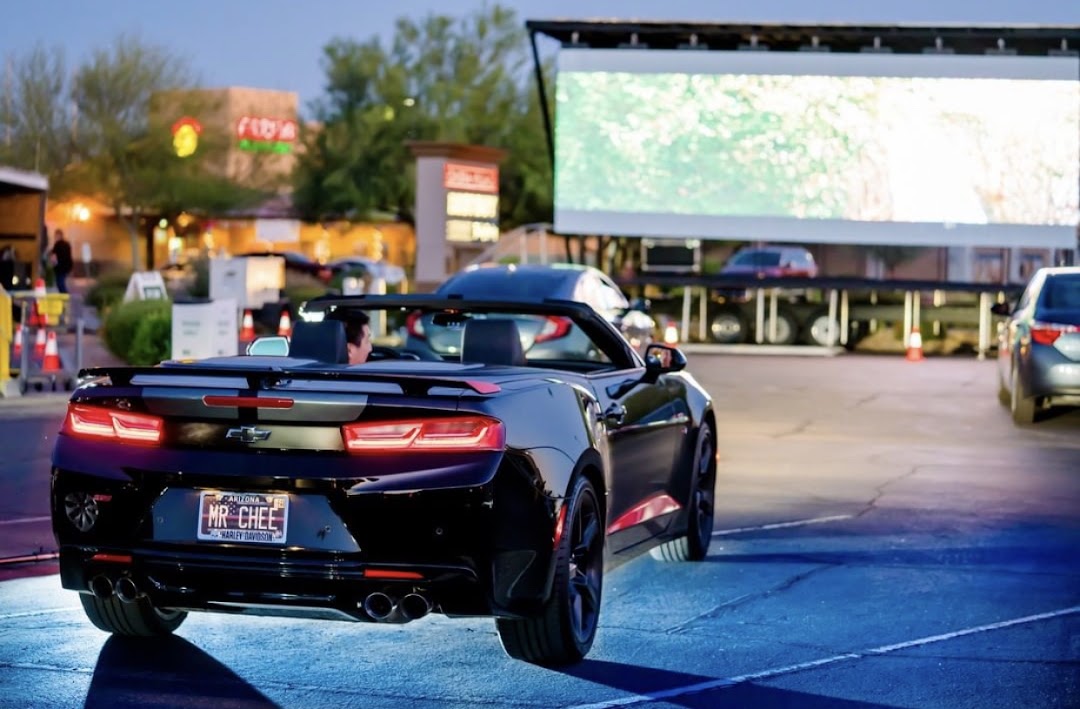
(756, 258)
(496, 283)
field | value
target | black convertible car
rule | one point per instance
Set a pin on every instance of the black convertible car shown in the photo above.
(295, 484)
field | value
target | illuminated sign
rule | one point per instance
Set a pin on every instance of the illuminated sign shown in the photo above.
(273, 135)
(470, 178)
(472, 205)
(466, 230)
(185, 133)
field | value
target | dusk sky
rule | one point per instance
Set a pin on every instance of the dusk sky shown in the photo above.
(277, 44)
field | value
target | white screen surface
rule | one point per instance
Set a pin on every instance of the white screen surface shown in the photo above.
(817, 147)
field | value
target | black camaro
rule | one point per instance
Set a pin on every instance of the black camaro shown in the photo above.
(295, 484)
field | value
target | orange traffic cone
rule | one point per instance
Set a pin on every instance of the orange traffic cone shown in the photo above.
(51, 362)
(39, 288)
(33, 319)
(247, 329)
(914, 348)
(39, 344)
(284, 328)
(16, 352)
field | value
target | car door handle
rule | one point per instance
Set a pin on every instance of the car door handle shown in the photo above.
(615, 415)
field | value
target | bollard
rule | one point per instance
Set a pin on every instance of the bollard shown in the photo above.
(8, 388)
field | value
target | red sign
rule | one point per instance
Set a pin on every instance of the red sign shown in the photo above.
(471, 178)
(273, 130)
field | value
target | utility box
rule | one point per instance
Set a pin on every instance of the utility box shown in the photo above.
(252, 282)
(205, 328)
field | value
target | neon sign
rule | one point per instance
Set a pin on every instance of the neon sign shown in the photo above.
(471, 178)
(185, 133)
(273, 135)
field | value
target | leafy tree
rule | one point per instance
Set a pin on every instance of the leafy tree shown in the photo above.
(440, 79)
(126, 98)
(35, 116)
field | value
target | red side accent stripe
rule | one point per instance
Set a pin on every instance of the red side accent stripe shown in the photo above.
(391, 574)
(254, 402)
(114, 558)
(649, 508)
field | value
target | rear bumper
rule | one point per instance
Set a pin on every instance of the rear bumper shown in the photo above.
(483, 549)
(1051, 374)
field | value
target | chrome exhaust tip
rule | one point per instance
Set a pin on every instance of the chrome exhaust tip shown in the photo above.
(415, 606)
(101, 586)
(126, 590)
(379, 606)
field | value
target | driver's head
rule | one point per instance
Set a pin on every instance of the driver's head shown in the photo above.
(357, 335)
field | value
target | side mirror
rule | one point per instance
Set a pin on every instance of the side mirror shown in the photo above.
(271, 346)
(662, 359)
(1001, 309)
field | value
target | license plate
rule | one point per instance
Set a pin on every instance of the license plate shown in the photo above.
(246, 517)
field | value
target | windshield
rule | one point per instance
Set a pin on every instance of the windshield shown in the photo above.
(1062, 293)
(756, 258)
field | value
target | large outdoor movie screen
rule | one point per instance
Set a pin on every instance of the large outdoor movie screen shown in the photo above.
(819, 147)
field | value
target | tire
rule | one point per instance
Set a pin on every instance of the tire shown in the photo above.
(728, 327)
(694, 545)
(563, 632)
(136, 619)
(786, 329)
(816, 331)
(1021, 405)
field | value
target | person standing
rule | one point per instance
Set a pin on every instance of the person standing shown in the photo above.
(61, 259)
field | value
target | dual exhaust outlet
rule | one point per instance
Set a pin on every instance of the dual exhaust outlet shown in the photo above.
(380, 606)
(385, 608)
(124, 587)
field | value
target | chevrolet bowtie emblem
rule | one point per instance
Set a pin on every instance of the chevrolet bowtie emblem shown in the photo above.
(247, 434)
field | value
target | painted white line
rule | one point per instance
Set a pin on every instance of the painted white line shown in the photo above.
(789, 669)
(25, 520)
(47, 611)
(781, 525)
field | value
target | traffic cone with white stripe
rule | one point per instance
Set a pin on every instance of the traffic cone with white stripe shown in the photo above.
(51, 362)
(247, 329)
(16, 352)
(284, 328)
(914, 348)
(39, 344)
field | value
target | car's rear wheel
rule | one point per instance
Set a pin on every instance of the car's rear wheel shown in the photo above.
(139, 618)
(562, 633)
(1021, 405)
(694, 546)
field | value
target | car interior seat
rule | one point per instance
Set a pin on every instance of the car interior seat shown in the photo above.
(492, 341)
(323, 341)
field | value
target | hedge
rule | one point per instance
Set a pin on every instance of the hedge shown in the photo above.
(140, 332)
(107, 291)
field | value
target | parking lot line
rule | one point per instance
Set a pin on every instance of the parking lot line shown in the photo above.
(781, 525)
(25, 520)
(44, 611)
(789, 669)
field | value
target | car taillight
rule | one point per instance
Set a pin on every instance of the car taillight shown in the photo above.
(413, 326)
(1046, 333)
(97, 423)
(459, 433)
(554, 328)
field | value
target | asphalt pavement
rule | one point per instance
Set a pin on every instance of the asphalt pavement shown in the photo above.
(885, 537)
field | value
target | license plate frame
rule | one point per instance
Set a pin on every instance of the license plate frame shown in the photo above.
(228, 516)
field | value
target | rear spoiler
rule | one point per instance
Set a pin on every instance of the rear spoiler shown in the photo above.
(267, 377)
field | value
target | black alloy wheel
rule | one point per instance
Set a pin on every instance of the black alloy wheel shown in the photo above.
(694, 546)
(562, 632)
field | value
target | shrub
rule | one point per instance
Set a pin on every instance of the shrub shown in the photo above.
(126, 320)
(153, 339)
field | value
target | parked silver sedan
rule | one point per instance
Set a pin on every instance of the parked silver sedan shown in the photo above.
(1039, 345)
